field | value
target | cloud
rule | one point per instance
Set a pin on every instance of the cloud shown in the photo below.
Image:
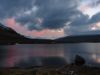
(41, 16)
(10, 8)
(54, 14)
(45, 33)
(95, 18)
(97, 2)
(80, 19)
(82, 23)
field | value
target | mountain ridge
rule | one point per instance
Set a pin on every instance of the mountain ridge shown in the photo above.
(9, 36)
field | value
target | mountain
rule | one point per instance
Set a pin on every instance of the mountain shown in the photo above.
(79, 39)
(9, 36)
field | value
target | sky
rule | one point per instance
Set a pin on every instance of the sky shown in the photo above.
(51, 19)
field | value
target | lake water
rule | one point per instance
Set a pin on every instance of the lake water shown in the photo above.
(13, 54)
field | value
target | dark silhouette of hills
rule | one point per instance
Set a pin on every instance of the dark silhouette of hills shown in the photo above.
(79, 39)
(9, 36)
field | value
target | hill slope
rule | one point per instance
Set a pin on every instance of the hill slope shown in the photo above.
(9, 36)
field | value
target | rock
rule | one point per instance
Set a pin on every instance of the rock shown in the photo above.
(79, 60)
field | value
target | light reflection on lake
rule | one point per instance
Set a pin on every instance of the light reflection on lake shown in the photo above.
(9, 55)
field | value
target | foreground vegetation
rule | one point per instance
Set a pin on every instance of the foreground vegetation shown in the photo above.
(66, 70)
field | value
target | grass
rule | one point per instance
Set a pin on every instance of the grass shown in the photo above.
(66, 70)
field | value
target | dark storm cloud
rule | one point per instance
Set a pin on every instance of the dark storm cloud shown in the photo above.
(55, 13)
(98, 2)
(9, 8)
(80, 19)
(25, 19)
(58, 18)
(85, 20)
(80, 24)
(95, 18)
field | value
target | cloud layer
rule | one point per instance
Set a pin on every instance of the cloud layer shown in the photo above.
(53, 14)
(70, 15)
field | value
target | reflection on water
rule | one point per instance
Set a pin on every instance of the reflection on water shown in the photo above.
(11, 55)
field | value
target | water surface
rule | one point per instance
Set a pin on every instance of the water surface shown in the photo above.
(14, 54)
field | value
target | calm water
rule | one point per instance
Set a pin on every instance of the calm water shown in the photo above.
(12, 55)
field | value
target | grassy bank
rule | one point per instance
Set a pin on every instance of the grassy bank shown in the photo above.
(66, 70)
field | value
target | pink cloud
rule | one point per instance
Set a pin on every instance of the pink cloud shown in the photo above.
(10, 22)
(46, 33)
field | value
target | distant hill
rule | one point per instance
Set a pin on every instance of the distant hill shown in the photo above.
(9, 36)
(79, 39)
